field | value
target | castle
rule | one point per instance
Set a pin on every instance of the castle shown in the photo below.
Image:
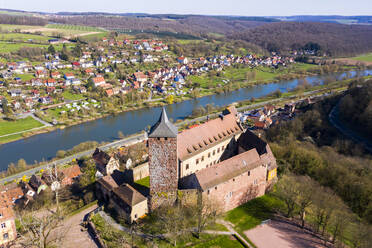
(218, 159)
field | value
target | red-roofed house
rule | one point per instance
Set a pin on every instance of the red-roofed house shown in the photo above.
(98, 81)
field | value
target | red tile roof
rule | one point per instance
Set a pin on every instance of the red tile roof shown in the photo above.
(228, 169)
(194, 140)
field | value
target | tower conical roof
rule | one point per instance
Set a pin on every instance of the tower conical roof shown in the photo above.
(163, 128)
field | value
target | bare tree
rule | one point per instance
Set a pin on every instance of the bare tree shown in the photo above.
(287, 190)
(206, 212)
(304, 199)
(41, 230)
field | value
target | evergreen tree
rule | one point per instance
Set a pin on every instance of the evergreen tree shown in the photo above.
(51, 49)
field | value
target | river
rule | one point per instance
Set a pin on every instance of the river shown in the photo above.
(45, 146)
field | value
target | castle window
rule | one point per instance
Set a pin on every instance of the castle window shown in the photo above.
(5, 236)
(233, 179)
(135, 216)
(218, 150)
(215, 188)
(255, 181)
(214, 152)
(202, 159)
(249, 173)
(187, 166)
(3, 225)
(209, 154)
(197, 161)
(165, 138)
(208, 191)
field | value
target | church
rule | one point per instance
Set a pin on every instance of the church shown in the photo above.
(218, 159)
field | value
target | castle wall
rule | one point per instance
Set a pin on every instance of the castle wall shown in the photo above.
(237, 191)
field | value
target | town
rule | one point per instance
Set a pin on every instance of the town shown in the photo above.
(203, 127)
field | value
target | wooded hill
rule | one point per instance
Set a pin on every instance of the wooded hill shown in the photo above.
(334, 39)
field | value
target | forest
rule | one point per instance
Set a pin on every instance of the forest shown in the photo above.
(22, 20)
(309, 145)
(356, 108)
(333, 39)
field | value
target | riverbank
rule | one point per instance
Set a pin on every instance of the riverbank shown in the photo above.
(262, 80)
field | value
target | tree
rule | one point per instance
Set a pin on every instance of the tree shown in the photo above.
(175, 221)
(304, 197)
(21, 165)
(51, 49)
(77, 51)
(169, 99)
(64, 54)
(287, 190)
(41, 231)
(206, 212)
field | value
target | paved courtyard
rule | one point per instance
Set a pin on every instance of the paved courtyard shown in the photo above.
(280, 234)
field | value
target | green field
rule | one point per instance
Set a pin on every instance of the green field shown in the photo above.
(23, 37)
(9, 127)
(54, 29)
(365, 58)
(6, 47)
(10, 27)
(239, 75)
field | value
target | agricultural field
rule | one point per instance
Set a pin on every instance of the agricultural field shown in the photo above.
(23, 37)
(7, 47)
(9, 127)
(365, 58)
(74, 27)
(67, 31)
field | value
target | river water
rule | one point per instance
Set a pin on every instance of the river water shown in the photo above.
(44, 146)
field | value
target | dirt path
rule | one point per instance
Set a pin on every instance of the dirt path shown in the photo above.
(75, 237)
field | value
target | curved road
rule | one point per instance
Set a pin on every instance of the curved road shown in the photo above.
(348, 132)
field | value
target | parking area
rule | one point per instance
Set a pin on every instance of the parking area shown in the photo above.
(282, 234)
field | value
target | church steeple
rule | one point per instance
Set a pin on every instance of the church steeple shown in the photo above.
(163, 128)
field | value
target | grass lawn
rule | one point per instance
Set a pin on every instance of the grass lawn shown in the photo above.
(10, 138)
(224, 241)
(252, 213)
(70, 96)
(25, 77)
(366, 58)
(9, 127)
(144, 182)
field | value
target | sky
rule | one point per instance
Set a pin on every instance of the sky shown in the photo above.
(206, 7)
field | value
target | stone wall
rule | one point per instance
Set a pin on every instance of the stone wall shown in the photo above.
(237, 191)
(163, 169)
(141, 171)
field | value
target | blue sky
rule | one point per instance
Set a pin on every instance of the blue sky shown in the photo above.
(209, 7)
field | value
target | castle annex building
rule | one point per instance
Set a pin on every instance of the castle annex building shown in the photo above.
(218, 159)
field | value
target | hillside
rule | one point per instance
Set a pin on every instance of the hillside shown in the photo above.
(195, 25)
(334, 39)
